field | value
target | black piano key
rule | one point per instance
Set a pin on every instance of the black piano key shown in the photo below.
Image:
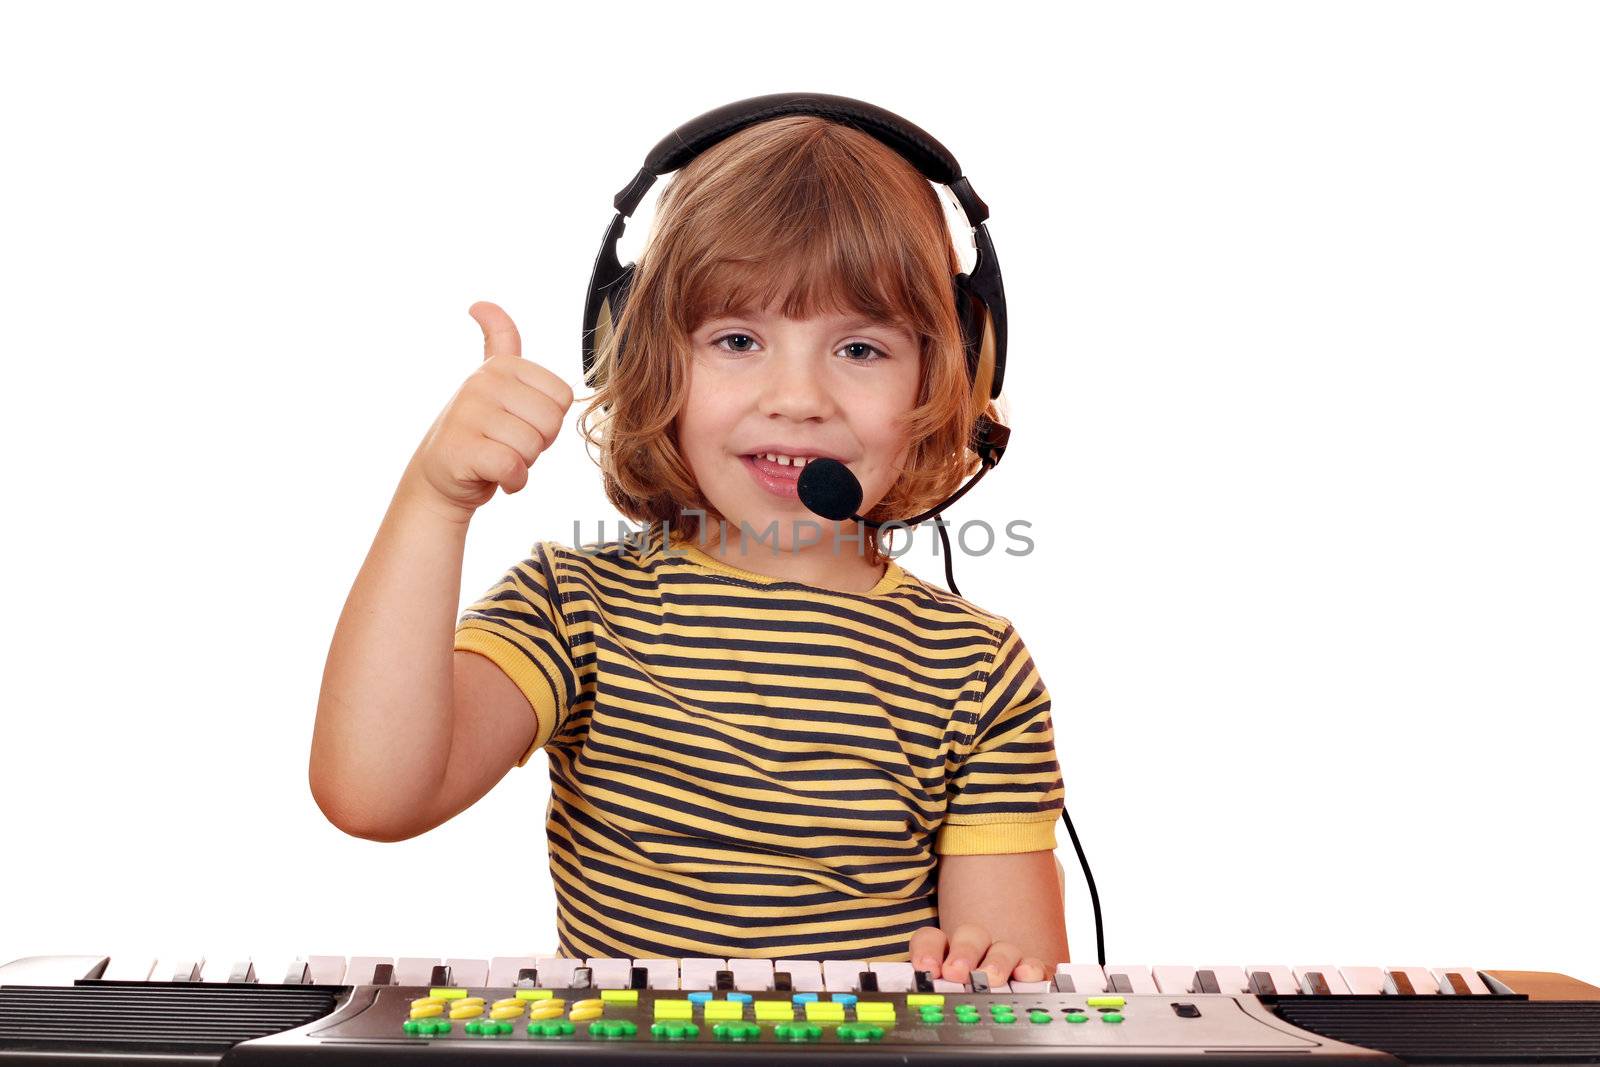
(1457, 983)
(724, 981)
(440, 975)
(1064, 983)
(978, 981)
(867, 982)
(1402, 983)
(383, 974)
(782, 982)
(527, 977)
(1318, 984)
(299, 973)
(924, 981)
(638, 978)
(1121, 983)
(582, 977)
(1261, 983)
(1206, 982)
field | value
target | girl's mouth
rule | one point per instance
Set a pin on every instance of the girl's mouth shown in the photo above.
(776, 478)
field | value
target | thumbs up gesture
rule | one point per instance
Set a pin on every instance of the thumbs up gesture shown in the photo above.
(507, 412)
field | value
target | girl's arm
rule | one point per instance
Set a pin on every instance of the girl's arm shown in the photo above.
(1000, 914)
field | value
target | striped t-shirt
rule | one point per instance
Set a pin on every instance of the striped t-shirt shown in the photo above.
(747, 766)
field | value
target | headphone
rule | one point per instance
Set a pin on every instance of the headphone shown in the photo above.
(979, 296)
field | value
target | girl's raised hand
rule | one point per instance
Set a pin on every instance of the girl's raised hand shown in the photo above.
(507, 412)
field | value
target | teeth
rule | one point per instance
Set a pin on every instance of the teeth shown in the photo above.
(787, 461)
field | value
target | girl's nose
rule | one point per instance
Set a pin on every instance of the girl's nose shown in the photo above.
(796, 385)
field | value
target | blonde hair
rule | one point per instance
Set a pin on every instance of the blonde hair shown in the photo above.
(827, 219)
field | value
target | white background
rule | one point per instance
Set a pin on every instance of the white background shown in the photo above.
(1303, 386)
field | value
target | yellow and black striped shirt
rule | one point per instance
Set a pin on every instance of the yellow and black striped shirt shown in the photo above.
(746, 766)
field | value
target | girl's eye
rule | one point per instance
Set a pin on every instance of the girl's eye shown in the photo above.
(871, 353)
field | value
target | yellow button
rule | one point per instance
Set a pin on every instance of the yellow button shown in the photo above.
(507, 1011)
(825, 1011)
(447, 994)
(470, 1000)
(466, 1011)
(722, 1010)
(592, 1002)
(579, 1015)
(774, 1010)
(534, 994)
(507, 1002)
(874, 1010)
(674, 1009)
(547, 1010)
(1106, 1002)
(620, 996)
(427, 1011)
(917, 1000)
(421, 1001)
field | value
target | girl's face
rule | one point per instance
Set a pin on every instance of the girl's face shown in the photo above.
(828, 386)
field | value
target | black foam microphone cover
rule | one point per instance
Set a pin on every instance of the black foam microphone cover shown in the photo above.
(827, 487)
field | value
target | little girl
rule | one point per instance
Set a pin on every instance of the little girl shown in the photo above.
(766, 739)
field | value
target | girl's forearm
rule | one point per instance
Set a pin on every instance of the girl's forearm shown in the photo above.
(382, 734)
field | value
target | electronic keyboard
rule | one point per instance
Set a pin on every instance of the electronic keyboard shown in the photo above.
(63, 1010)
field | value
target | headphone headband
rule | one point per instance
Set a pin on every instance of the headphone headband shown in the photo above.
(974, 294)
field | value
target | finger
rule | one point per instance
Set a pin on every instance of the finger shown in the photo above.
(927, 949)
(543, 379)
(532, 406)
(967, 946)
(524, 440)
(500, 336)
(499, 464)
(1031, 969)
(1001, 959)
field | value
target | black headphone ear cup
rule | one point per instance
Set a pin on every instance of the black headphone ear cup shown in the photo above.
(609, 316)
(971, 312)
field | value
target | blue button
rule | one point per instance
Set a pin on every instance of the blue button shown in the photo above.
(805, 998)
(742, 998)
(701, 996)
(845, 998)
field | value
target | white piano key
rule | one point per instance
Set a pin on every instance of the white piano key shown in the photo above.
(663, 973)
(129, 969)
(1138, 977)
(468, 972)
(700, 972)
(52, 970)
(895, 977)
(805, 974)
(361, 967)
(944, 985)
(1029, 987)
(555, 972)
(751, 976)
(503, 969)
(1422, 981)
(1173, 979)
(1283, 979)
(415, 970)
(325, 970)
(1363, 980)
(178, 969)
(610, 974)
(1329, 972)
(1469, 975)
(1086, 977)
(843, 976)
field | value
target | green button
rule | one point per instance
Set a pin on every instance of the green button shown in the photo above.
(737, 1031)
(1107, 1002)
(932, 1018)
(1004, 1019)
(1077, 1017)
(613, 1028)
(1111, 1017)
(798, 1032)
(967, 1020)
(860, 1032)
(966, 1007)
(489, 1027)
(1038, 1016)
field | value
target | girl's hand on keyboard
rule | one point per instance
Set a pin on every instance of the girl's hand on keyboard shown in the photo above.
(505, 414)
(969, 949)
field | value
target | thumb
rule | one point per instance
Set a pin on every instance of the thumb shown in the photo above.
(500, 337)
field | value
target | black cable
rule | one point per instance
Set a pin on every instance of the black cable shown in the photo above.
(1094, 895)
